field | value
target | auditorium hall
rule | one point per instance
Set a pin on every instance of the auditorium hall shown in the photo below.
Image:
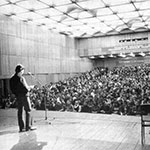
(74, 74)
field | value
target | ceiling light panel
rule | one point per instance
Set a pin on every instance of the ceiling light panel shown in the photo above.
(143, 4)
(74, 15)
(92, 4)
(148, 19)
(137, 25)
(140, 0)
(148, 25)
(44, 21)
(66, 18)
(68, 29)
(84, 28)
(90, 31)
(52, 25)
(75, 28)
(145, 18)
(128, 15)
(81, 14)
(16, 18)
(78, 33)
(100, 26)
(2, 2)
(116, 2)
(115, 24)
(13, 1)
(105, 29)
(108, 18)
(49, 12)
(29, 15)
(7, 9)
(68, 8)
(73, 23)
(123, 8)
(56, 2)
(84, 14)
(58, 18)
(62, 27)
(31, 4)
(131, 21)
(104, 11)
(90, 20)
(145, 12)
(121, 27)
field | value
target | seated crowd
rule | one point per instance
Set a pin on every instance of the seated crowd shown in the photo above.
(120, 90)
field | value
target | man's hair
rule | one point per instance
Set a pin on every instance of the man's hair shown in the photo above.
(19, 68)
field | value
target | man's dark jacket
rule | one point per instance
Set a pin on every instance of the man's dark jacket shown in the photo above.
(17, 86)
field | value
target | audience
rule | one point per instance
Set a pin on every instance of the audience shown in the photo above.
(120, 90)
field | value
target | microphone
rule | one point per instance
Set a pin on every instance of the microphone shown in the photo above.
(29, 73)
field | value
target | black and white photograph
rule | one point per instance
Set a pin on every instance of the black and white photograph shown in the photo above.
(74, 74)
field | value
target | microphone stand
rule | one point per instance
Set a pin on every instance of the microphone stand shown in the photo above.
(46, 118)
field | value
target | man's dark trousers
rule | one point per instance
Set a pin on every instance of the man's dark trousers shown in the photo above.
(24, 102)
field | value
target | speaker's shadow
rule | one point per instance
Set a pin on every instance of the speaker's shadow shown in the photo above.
(28, 141)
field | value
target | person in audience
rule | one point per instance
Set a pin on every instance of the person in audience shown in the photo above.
(77, 106)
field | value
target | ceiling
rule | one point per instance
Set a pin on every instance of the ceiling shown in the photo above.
(82, 18)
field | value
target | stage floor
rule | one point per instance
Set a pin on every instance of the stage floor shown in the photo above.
(72, 131)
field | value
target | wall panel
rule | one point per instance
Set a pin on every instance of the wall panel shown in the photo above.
(50, 63)
(62, 52)
(5, 64)
(11, 27)
(3, 21)
(13, 62)
(32, 62)
(4, 44)
(56, 51)
(41, 51)
(24, 47)
(30, 47)
(63, 40)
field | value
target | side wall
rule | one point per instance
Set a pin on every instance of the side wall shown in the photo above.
(49, 56)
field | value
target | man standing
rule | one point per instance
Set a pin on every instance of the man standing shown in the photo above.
(20, 89)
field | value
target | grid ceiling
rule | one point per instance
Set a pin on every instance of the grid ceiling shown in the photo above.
(82, 18)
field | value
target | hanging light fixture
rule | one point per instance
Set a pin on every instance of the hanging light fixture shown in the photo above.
(101, 56)
(148, 53)
(132, 54)
(142, 54)
(91, 57)
(122, 55)
(111, 56)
